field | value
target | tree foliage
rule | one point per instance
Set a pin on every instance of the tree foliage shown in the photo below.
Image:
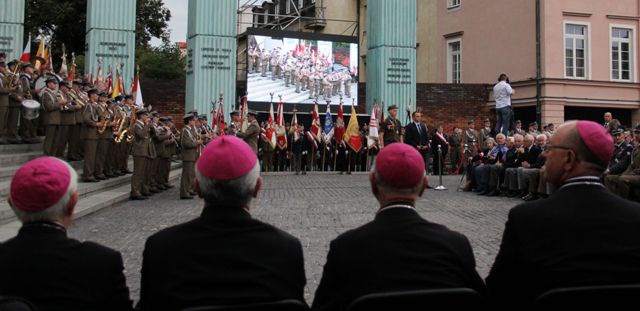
(164, 62)
(65, 23)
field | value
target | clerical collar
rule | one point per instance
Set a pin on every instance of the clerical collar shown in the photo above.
(394, 205)
(45, 224)
(583, 181)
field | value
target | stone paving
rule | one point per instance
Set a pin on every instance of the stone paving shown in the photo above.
(315, 208)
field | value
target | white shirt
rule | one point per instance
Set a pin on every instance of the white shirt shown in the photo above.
(502, 92)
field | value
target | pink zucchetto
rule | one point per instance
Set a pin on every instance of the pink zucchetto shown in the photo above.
(596, 139)
(226, 158)
(400, 166)
(39, 184)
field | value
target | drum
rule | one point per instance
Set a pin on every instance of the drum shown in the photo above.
(30, 109)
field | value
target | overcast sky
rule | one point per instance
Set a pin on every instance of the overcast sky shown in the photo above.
(178, 22)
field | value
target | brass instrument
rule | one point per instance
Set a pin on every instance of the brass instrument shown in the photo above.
(65, 105)
(199, 137)
(13, 76)
(77, 100)
(119, 131)
(104, 118)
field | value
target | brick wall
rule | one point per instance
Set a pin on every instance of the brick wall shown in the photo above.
(449, 104)
(165, 96)
(453, 104)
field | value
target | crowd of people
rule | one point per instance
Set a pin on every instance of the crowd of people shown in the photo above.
(579, 236)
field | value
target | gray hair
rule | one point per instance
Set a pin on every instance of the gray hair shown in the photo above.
(229, 193)
(529, 137)
(56, 211)
(385, 187)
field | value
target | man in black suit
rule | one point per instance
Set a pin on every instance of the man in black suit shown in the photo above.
(581, 235)
(225, 256)
(43, 265)
(398, 250)
(416, 135)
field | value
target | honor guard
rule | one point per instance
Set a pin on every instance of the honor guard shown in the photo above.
(67, 121)
(391, 129)
(250, 136)
(141, 156)
(28, 123)
(484, 133)
(191, 147)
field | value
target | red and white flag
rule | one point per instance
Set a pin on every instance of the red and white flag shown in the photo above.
(270, 132)
(372, 138)
(316, 128)
(26, 53)
(281, 130)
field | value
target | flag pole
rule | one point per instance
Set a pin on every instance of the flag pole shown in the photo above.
(324, 153)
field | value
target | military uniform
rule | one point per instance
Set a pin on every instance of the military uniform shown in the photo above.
(162, 137)
(190, 147)
(141, 158)
(622, 184)
(482, 137)
(90, 118)
(455, 142)
(28, 128)
(51, 121)
(67, 123)
(105, 140)
(621, 158)
(250, 136)
(4, 105)
(392, 130)
(75, 144)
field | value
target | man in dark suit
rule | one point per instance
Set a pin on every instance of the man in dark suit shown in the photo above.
(581, 235)
(43, 265)
(417, 136)
(398, 250)
(225, 256)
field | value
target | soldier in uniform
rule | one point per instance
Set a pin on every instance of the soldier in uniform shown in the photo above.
(169, 151)
(518, 129)
(533, 129)
(623, 183)
(346, 79)
(251, 54)
(13, 113)
(485, 133)
(28, 128)
(621, 153)
(455, 142)
(161, 140)
(75, 143)
(105, 138)
(266, 56)
(191, 146)
(67, 121)
(153, 155)
(117, 154)
(391, 129)
(5, 91)
(141, 151)
(52, 106)
(234, 126)
(470, 143)
(250, 136)
(92, 122)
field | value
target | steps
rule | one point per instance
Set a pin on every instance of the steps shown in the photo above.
(93, 196)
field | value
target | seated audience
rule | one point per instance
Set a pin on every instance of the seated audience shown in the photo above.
(622, 184)
(527, 153)
(581, 236)
(223, 257)
(42, 264)
(529, 177)
(495, 157)
(398, 250)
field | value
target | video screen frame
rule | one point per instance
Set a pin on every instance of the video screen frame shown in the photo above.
(312, 43)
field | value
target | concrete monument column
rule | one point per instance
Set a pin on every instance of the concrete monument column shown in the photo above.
(11, 28)
(111, 37)
(211, 57)
(391, 54)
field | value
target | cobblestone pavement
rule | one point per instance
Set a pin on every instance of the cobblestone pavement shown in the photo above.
(315, 208)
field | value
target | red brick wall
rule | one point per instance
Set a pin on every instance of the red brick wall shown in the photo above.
(165, 96)
(453, 104)
(449, 104)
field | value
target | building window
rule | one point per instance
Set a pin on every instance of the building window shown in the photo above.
(288, 6)
(276, 11)
(452, 4)
(621, 54)
(575, 51)
(454, 61)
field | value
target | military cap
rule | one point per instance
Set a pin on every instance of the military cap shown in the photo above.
(392, 107)
(78, 82)
(63, 83)
(128, 97)
(252, 113)
(518, 122)
(637, 128)
(193, 112)
(141, 111)
(51, 80)
(235, 113)
(534, 123)
(202, 118)
(93, 91)
(550, 124)
(188, 117)
(102, 94)
(27, 65)
(617, 131)
(154, 114)
(12, 63)
(471, 122)
(163, 119)
(119, 98)
(169, 119)
(487, 120)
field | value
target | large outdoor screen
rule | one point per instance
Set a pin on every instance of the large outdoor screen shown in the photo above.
(301, 67)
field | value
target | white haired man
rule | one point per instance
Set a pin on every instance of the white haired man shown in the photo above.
(43, 265)
(225, 256)
(398, 250)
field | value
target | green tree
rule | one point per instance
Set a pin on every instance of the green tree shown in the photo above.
(65, 23)
(164, 62)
